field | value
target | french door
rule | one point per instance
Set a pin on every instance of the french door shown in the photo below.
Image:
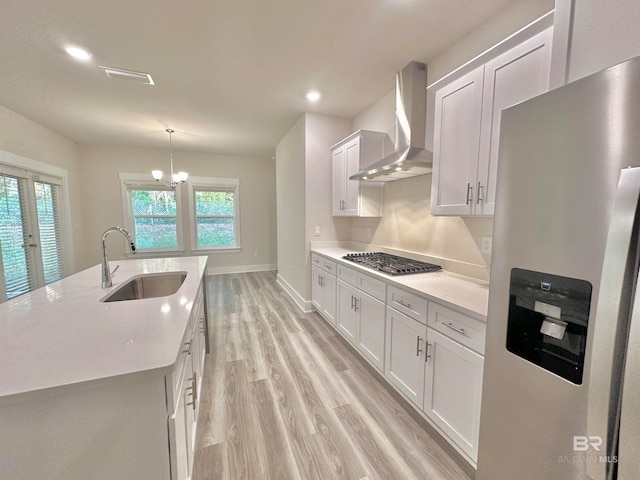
(31, 243)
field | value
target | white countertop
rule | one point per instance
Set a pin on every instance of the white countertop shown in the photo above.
(62, 334)
(465, 294)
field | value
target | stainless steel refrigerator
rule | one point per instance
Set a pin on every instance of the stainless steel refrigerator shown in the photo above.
(561, 391)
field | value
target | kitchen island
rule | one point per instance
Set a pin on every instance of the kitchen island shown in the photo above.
(102, 390)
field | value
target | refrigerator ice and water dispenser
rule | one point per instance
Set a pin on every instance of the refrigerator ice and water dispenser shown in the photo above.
(548, 319)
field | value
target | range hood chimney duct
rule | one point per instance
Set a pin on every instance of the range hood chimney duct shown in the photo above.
(410, 157)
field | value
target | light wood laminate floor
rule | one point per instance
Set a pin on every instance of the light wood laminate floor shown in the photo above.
(284, 397)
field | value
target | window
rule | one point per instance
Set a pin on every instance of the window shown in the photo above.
(214, 213)
(151, 214)
(35, 245)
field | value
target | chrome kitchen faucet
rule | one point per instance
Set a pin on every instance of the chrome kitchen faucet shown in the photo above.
(106, 273)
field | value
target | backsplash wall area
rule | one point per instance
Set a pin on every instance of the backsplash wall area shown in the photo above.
(407, 225)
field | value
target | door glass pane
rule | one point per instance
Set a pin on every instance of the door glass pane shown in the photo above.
(14, 240)
(48, 208)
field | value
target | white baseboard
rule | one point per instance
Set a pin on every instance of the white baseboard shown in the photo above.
(241, 269)
(305, 305)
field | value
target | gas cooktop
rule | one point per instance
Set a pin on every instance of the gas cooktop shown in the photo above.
(391, 264)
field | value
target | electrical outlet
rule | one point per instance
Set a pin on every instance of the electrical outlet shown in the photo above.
(485, 245)
(316, 231)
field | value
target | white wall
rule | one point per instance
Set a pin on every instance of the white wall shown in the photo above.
(102, 203)
(303, 185)
(602, 33)
(26, 138)
(291, 203)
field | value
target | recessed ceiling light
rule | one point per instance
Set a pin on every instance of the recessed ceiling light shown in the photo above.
(313, 96)
(78, 53)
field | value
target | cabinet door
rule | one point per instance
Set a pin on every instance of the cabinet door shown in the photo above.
(404, 356)
(316, 288)
(513, 77)
(329, 298)
(338, 169)
(453, 389)
(371, 331)
(352, 187)
(347, 315)
(456, 144)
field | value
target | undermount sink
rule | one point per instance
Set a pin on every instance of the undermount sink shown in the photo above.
(147, 286)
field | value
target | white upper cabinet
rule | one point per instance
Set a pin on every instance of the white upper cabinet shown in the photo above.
(467, 125)
(354, 198)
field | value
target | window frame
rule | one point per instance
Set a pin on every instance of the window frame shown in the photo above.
(147, 180)
(211, 184)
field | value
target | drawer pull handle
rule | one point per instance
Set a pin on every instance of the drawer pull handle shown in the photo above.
(418, 349)
(404, 304)
(455, 329)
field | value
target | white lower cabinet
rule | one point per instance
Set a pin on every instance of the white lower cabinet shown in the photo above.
(323, 293)
(405, 355)
(429, 352)
(187, 376)
(361, 320)
(371, 331)
(453, 390)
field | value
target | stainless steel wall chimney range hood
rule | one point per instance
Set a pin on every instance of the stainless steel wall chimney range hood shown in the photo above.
(410, 157)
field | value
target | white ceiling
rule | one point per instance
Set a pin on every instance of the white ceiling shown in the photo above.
(230, 75)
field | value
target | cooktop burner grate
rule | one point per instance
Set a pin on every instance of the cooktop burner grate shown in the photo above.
(391, 264)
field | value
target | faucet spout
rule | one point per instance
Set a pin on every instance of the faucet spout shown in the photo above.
(106, 272)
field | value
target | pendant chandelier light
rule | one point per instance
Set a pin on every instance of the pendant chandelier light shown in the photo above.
(175, 179)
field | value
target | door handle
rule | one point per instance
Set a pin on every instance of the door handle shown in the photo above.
(480, 195)
(469, 193)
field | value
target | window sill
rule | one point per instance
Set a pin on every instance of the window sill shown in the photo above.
(208, 251)
(155, 253)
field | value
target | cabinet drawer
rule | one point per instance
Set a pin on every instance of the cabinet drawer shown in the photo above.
(324, 263)
(348, 275)
(374, 287)
(328, 266)
(408, 303)
(465, 330)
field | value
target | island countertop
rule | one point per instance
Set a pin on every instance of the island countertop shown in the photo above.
(62, 334)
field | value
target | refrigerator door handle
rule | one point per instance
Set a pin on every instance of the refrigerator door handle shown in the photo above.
(611, 326)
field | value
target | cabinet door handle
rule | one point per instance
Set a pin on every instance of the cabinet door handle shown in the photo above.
(188, 349)
(352, 301)
(355, 304)
(455, 329)
(480, 195)
(194, 391)
(404, 304)
(418, 349)
(202, 329)
(428, 353)
(469, 193)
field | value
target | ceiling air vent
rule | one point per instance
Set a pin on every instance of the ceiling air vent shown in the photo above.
(138, 77)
